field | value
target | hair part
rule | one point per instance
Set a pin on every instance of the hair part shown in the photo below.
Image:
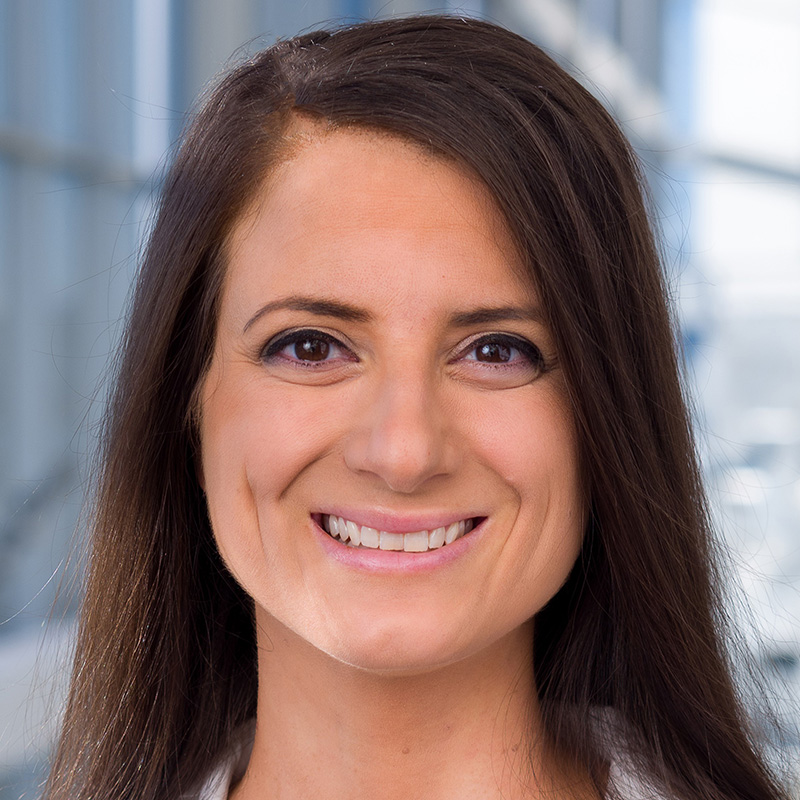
(165, 668)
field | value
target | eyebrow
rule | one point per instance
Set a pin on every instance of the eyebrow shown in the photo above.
(482, 316)
(335, 308)
(318, 306)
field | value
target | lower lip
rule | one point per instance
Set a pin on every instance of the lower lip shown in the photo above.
(394, 561)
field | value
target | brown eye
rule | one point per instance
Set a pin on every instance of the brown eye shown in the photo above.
(312, 349)
(501, 360)
(493, 353)
(306, 348)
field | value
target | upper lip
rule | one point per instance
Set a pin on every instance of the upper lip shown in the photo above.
(395, 522)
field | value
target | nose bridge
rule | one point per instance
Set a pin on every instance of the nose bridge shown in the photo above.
(404, 437)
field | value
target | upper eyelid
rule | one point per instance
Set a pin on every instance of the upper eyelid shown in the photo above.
(477, 337)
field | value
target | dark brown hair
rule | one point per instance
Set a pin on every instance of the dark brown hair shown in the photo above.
(165, 667)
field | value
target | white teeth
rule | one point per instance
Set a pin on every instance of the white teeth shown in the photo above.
(391, 541)
(354, 531)
(436, 539)
(451, 534)
(370, 538)
(416, 542)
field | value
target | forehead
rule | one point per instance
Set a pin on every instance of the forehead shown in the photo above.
(348, 206)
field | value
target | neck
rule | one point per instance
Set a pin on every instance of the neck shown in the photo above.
(325, 729)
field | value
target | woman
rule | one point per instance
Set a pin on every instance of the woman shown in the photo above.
(398, 464)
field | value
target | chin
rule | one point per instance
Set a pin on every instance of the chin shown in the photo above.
(397, 661)
(402, 650)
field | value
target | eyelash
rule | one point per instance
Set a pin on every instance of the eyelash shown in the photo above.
(531, 354)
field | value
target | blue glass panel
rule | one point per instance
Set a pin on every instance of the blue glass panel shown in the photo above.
(5, 67)
(62, 41)
(352, 10)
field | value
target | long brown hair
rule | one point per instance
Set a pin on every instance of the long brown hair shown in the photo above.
(165, 667)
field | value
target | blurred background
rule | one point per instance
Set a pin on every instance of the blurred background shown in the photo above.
(93, 93)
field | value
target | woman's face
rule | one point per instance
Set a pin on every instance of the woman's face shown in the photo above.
(379, 361)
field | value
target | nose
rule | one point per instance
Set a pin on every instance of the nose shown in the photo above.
(405, 435)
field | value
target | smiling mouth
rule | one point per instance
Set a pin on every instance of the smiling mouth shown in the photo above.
(361, 536)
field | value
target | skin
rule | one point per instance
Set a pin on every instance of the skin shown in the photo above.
(374, 675)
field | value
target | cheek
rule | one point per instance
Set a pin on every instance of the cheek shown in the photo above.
(257, 435)
(550, 485)
(530, 442)
(231, 510)
(257, 440)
